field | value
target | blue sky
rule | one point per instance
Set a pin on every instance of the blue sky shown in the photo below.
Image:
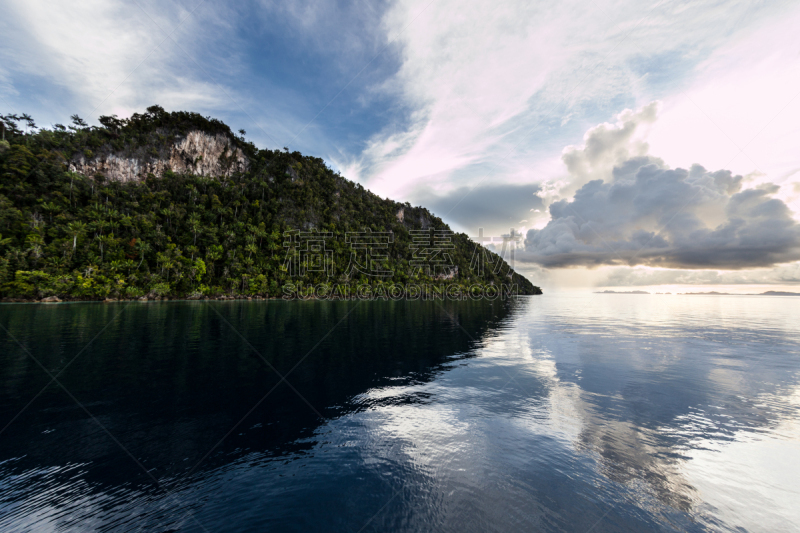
(470, 108)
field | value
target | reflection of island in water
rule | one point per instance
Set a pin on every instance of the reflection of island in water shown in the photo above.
(169, 380)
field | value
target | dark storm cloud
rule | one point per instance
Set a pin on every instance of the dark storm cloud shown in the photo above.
(647, 214)
(496, 208)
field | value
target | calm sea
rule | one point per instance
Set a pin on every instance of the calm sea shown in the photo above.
(551, 413)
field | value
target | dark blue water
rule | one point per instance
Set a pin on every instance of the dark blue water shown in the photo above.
(552, 413)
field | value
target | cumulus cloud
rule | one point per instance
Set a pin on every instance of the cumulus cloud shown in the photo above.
(605, 145)
(635, 210)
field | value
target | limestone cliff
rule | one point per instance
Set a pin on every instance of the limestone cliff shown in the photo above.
(196, 152)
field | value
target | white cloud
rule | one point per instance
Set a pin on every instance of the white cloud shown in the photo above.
(783, 275)
(484, 81)
(631, 208)
(348, 34)
(604, 147)
(109, 54)
(744, 97)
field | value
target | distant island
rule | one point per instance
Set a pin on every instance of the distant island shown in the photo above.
(176, 205)
(779, 293)
(711, 293)
(768, 293)
(622, 292)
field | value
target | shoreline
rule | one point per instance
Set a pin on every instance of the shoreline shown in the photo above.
(233, 298)
(311, 292)
(68, 300)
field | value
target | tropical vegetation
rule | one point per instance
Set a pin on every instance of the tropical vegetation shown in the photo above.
(73, 236)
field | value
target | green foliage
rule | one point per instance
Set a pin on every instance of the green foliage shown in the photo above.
(30, 283)
(86, 237)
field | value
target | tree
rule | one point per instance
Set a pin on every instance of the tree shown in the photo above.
(112, 123)
(198, 269)
(75, 229)
(8, 122)
(195, 225)
(142, 248)
(78, 122)
(143, 228)
(29, 123)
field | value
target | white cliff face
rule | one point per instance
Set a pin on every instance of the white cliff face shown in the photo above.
(197, 153)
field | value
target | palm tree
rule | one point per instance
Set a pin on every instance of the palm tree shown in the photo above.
(273, 243)
(166, 212)
(142, 247)
(5, 123)
(75, 229)
(194, 224)
(128, 264)
(50, 207)
(35, 242)
(261, 232)
(106, 240)
(55, 263)
(166, 263)
(28, 122)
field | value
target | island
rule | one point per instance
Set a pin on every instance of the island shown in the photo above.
(176, 205)
(622, 292)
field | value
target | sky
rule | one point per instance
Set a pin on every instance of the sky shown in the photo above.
(627, 145)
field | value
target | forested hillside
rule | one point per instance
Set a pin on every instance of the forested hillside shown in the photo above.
(286, 218)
